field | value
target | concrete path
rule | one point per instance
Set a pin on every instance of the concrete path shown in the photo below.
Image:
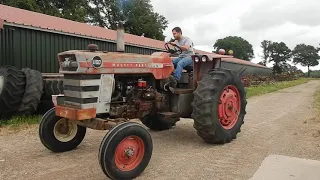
(287, 168)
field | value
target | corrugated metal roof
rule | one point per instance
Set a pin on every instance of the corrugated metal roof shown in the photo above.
(33, 19)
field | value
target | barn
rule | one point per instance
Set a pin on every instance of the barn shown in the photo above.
(30, 39)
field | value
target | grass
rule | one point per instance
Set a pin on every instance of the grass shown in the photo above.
(15, 122)
(268, 88)
(316, 102)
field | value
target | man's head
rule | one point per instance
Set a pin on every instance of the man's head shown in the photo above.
(177, 33)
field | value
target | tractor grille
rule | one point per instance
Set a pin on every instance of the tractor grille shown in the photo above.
(81, 90)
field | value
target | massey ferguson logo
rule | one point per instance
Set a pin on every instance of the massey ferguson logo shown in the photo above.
(96, 62)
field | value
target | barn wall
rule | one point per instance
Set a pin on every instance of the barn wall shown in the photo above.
(38, 50)
(6, 46)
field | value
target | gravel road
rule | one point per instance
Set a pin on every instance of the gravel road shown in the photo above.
(281, 123)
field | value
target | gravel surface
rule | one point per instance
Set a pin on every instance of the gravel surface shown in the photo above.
(282, 123)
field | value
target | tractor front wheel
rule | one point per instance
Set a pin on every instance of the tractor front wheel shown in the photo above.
(125, 151)
(60, 134)
(219, 106)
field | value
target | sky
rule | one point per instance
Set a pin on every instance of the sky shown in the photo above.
(204, 21)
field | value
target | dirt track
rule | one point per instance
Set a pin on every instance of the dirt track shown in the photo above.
(277, 123)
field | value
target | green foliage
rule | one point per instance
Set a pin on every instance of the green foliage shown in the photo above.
(277, 52)
(75, 10)
(19, 120)
(138, 14)
(287, 68)
(265, 49)
(268, 88)
(306, 55)
(242, 48)
(314, 74)
(30, 5)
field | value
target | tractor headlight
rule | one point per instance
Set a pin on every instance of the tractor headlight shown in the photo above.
(204, 58)
(196, 58)
(68, 62)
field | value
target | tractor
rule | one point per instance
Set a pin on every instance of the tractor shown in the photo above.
(107, 90)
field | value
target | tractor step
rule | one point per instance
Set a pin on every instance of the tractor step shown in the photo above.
(181, 91)
(169, 116)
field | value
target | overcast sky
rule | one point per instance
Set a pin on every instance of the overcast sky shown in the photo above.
(205, 21)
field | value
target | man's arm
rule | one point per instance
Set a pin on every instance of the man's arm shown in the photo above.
(187, 45)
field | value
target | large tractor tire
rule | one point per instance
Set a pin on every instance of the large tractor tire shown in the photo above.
(33, 92)
(219, 106)
(52, 87)
(12, 87)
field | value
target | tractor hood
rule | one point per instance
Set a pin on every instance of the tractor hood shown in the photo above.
(99, 62)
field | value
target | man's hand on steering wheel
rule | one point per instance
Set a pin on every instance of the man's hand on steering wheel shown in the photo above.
(174, 50)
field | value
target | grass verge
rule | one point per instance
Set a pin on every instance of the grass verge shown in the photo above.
(251, 91)
(268, 88)
(316, 102)
(16, 122)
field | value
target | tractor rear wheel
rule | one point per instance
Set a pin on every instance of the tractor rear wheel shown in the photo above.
(59, 134)
(219, 106)
(52, 87)
(33, 92)
(125, 151)
(12, 88)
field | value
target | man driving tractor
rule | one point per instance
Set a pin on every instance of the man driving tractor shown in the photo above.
(184, 59)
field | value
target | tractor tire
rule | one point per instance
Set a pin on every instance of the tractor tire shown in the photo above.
(12, 88)
(33, 92)
(219, 106)
(52, 87)
(157, 123)
(125, 151)
(55, 138)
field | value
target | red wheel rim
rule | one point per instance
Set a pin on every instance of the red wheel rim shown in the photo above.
(129, 153)
(229, 107)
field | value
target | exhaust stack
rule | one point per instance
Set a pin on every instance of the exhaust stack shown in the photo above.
(120, 38)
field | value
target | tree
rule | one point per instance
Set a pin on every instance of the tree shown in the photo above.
(279, 53)
(306, 55)
(242, 48)
(75, 10)
(285, 67)
(30, 5)
(138, 15)
(265, 50)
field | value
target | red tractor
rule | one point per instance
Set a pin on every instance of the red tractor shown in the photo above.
(104, 90)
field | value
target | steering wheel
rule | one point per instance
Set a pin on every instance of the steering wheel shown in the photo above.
(174, 50)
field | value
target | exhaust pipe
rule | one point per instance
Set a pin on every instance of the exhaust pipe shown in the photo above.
(120, 37)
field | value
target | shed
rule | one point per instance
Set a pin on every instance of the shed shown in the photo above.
(30, 39)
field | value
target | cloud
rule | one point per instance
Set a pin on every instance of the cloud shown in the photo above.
(177, 10)
(204, 21)
(272, 13)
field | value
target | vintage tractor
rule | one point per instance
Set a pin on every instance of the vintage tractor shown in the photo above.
(104, 90)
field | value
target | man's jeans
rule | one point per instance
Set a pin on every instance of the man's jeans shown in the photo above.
(179, 64)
